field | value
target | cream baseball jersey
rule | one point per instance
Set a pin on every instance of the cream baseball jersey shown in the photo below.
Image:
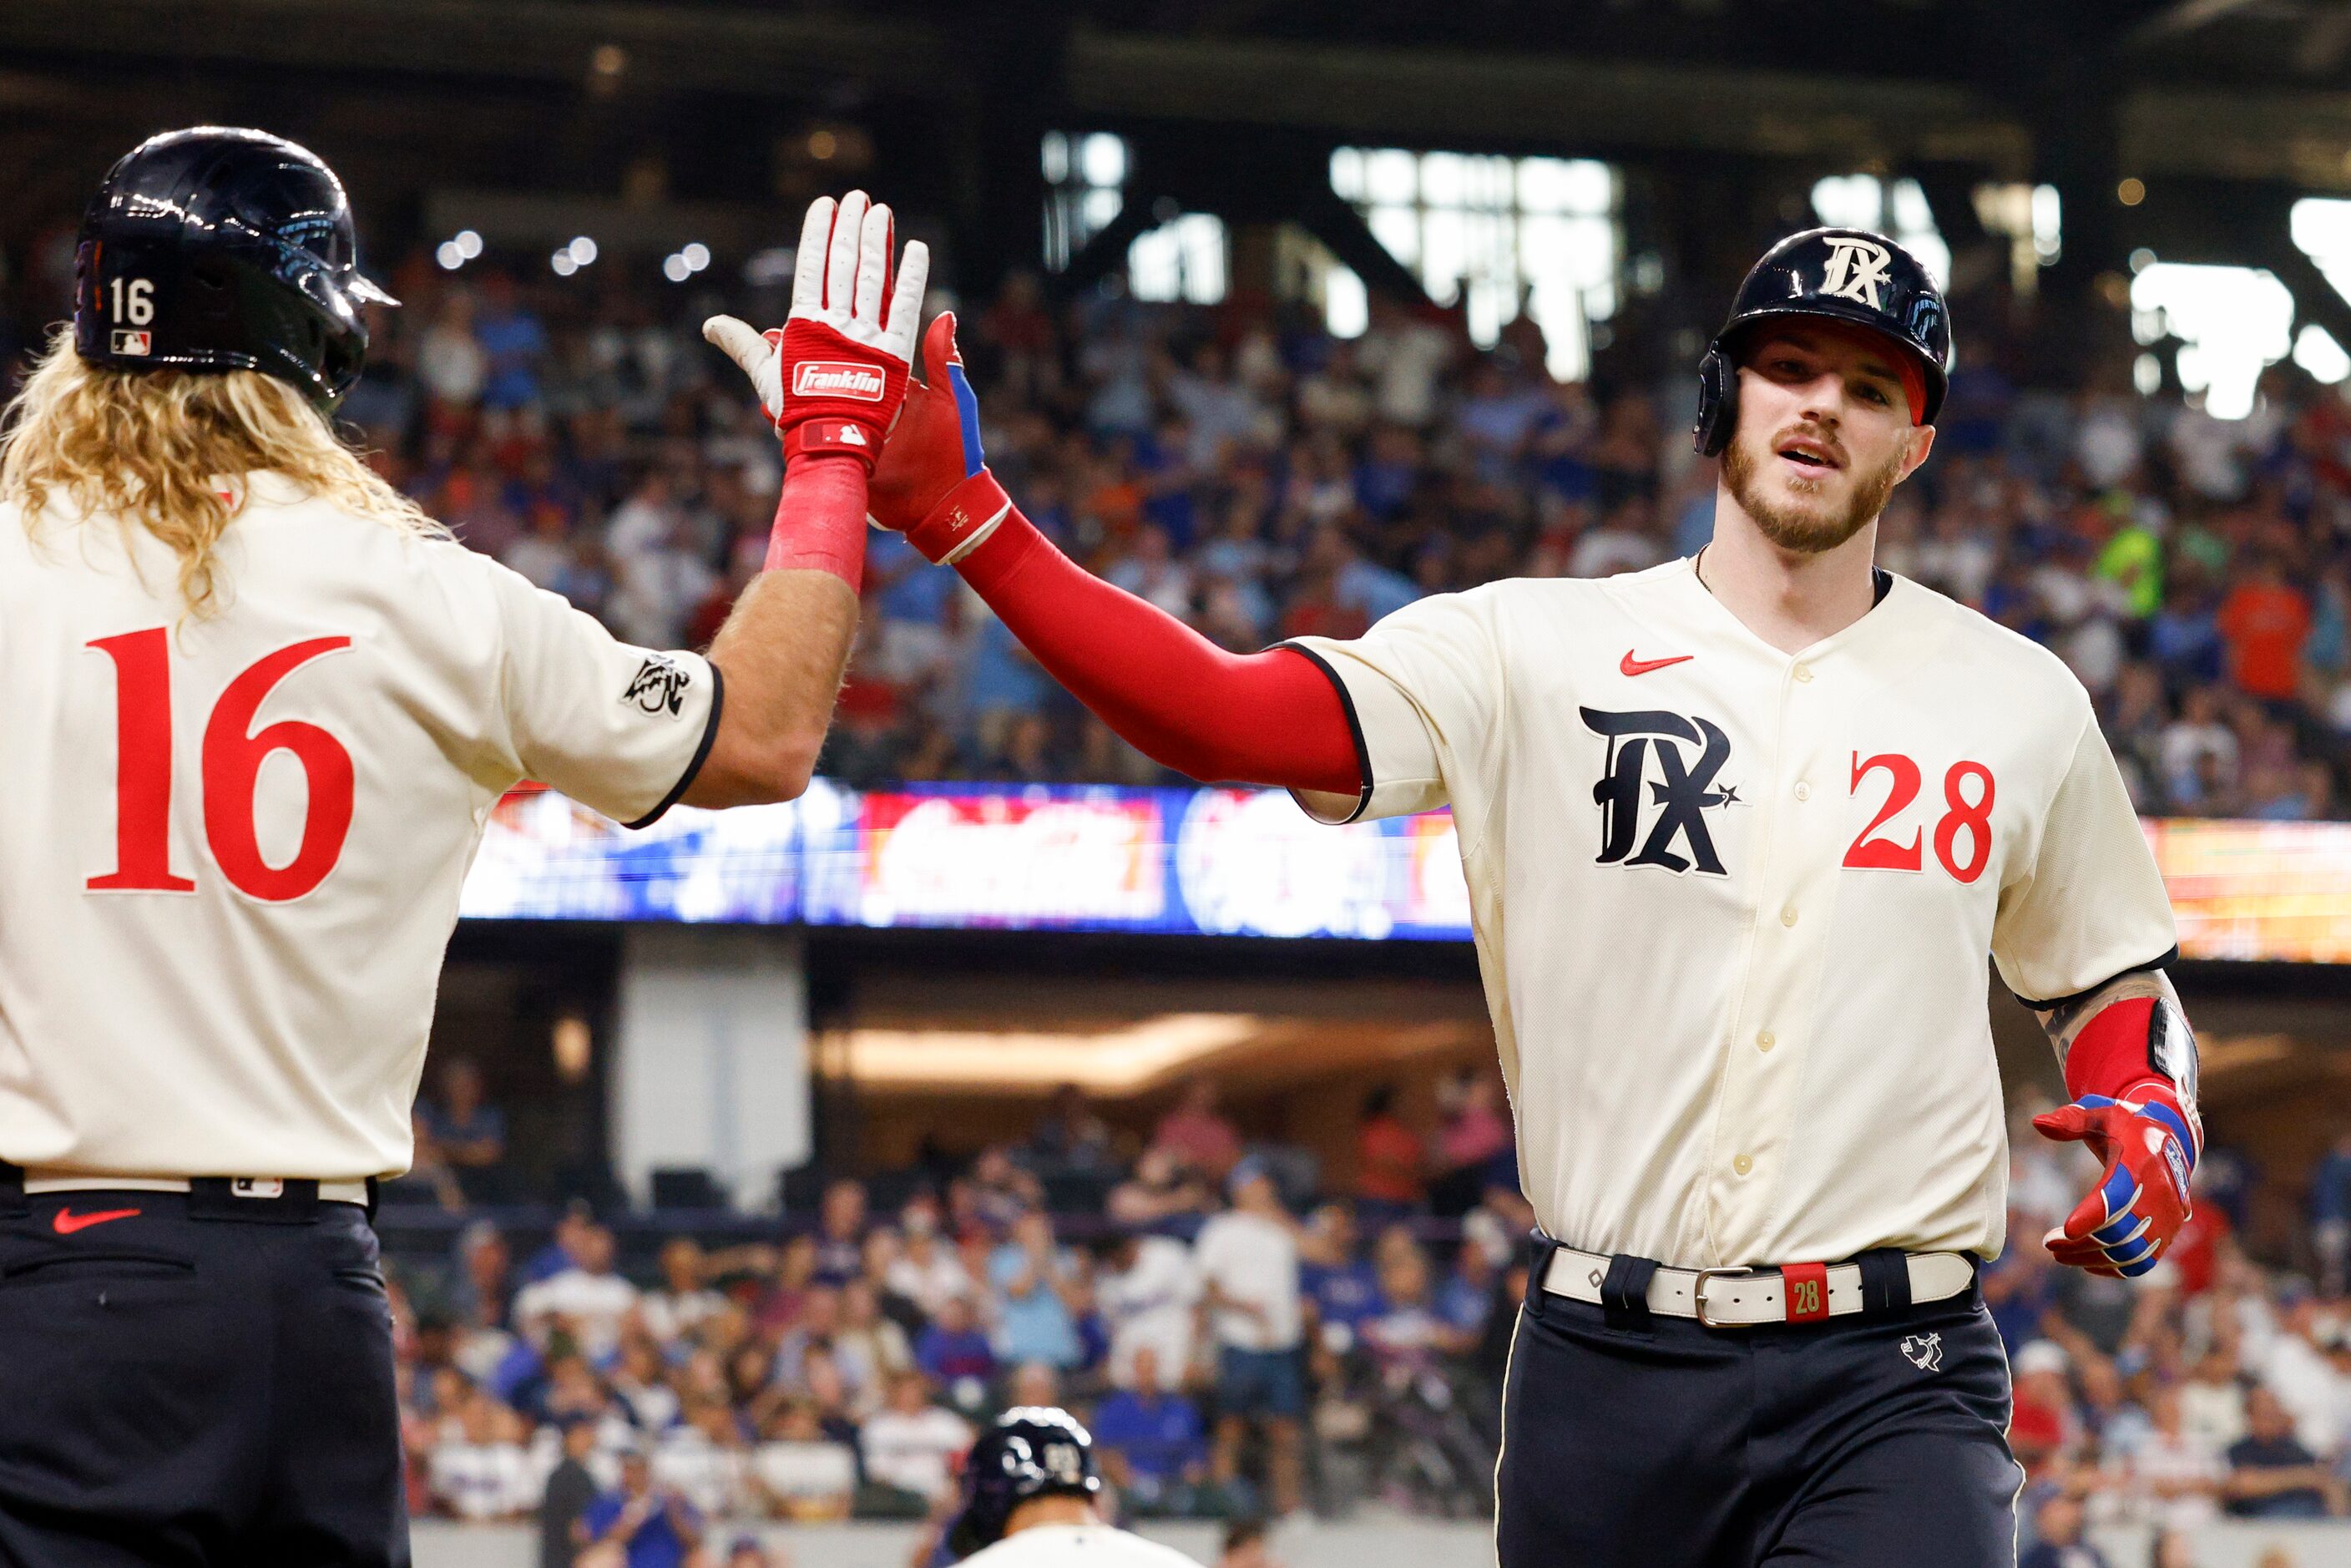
(1732, 906)
(234, 842)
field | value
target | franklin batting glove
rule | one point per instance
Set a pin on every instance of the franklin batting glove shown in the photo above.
(2148, 1145)
(833, 377)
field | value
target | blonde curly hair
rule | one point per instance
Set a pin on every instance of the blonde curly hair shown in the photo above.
(152, 448)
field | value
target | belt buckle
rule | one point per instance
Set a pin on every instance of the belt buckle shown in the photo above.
(1697, 1292)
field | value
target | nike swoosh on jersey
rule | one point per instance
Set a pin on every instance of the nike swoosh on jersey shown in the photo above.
(1633, 666)
(66, 1221)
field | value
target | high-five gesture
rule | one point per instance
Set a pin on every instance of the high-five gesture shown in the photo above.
(833, 377)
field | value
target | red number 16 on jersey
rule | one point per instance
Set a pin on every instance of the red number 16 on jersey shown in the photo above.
(232, 767)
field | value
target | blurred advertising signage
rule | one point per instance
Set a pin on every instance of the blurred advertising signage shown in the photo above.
(2258, 890)
(1180, 862)
(1224, 863)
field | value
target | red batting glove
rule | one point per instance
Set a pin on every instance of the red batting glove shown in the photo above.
(2148, 1145)
(933, 483)
(833, 379)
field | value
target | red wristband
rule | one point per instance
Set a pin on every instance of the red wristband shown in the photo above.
(823, 437)
(962, 520)
(820, 518)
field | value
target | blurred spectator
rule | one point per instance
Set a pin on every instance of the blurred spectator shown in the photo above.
(956, 1353)
(641, 1523)
(1148, 1293)
(571, 1488)
(1154, 1448)
(2271, 1474)
(799, 1471)
(1042, 1293)
(468, 1132)
(2058, 1543)
(588, 1299)
(684, 1302)
(840, 1232)
(1197, 1134)
(483, 1472)
(1248, 1258)
(909, 1445)
(1388, 1159)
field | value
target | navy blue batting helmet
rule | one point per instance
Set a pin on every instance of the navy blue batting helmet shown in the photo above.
(1031, 1452)
(1842, 275)
(216, 249)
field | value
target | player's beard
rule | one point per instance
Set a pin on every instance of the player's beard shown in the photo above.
(1805, 530)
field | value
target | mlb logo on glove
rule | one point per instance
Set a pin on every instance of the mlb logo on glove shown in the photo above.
(837, 378)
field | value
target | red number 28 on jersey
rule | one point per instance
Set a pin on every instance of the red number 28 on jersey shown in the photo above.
(232, 767)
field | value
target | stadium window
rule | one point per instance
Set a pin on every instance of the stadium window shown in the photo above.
(2232, 323)
(1085, 184)
(1900, 210)
(2031, 219)
(1182, 259)
(1494, 235)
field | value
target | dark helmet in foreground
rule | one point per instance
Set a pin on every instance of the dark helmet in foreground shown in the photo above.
(1851, 275)
(1031, 1452)
(217, 249)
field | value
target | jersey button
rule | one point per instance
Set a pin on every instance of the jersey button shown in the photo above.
(1766, 1041)
(1804, 672)
(1743, 1164)
(1804, 791)
(1788, 915)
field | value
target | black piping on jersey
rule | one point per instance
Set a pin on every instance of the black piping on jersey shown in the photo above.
(2054, 1003)
(701, 752)
(1354, 726)
(1881, 583)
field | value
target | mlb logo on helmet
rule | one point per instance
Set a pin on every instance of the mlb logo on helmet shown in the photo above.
(836, 378)
(130, 342)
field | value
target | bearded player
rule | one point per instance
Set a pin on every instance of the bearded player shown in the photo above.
(1739, 833)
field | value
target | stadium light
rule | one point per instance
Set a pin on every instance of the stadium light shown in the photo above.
(673, 267)
(468, 243)
(562, 262)
(583, 250)
(449, 257)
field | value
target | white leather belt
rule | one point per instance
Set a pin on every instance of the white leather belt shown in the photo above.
(1742, 1298)
(39, 1181)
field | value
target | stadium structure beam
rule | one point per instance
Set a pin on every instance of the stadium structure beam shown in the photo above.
(635, 45)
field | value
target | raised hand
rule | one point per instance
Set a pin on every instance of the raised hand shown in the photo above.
(833, 377)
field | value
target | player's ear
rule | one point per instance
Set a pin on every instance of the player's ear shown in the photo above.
(1922, 441)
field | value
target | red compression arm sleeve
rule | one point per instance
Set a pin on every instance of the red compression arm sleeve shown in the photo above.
(820, 518)
(1251, 718)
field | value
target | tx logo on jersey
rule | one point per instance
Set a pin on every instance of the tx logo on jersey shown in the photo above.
(1924, 1352)
(1669, 762)
(659, 685)
(1855, 268)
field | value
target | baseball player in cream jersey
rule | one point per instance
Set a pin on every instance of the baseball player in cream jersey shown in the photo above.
(1739, 832)
(260, 710)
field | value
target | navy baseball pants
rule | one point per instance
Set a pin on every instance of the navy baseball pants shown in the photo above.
(1636, 1442)
(195, 1378)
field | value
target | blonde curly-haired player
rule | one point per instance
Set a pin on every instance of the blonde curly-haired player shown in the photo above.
(259, 710)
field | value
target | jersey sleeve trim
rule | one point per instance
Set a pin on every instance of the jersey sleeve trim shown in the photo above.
(2163, 961)
(1354, 729)
(701, 753)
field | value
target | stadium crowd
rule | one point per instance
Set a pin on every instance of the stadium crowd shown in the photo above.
(1245, 1341)
(1264, 479)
